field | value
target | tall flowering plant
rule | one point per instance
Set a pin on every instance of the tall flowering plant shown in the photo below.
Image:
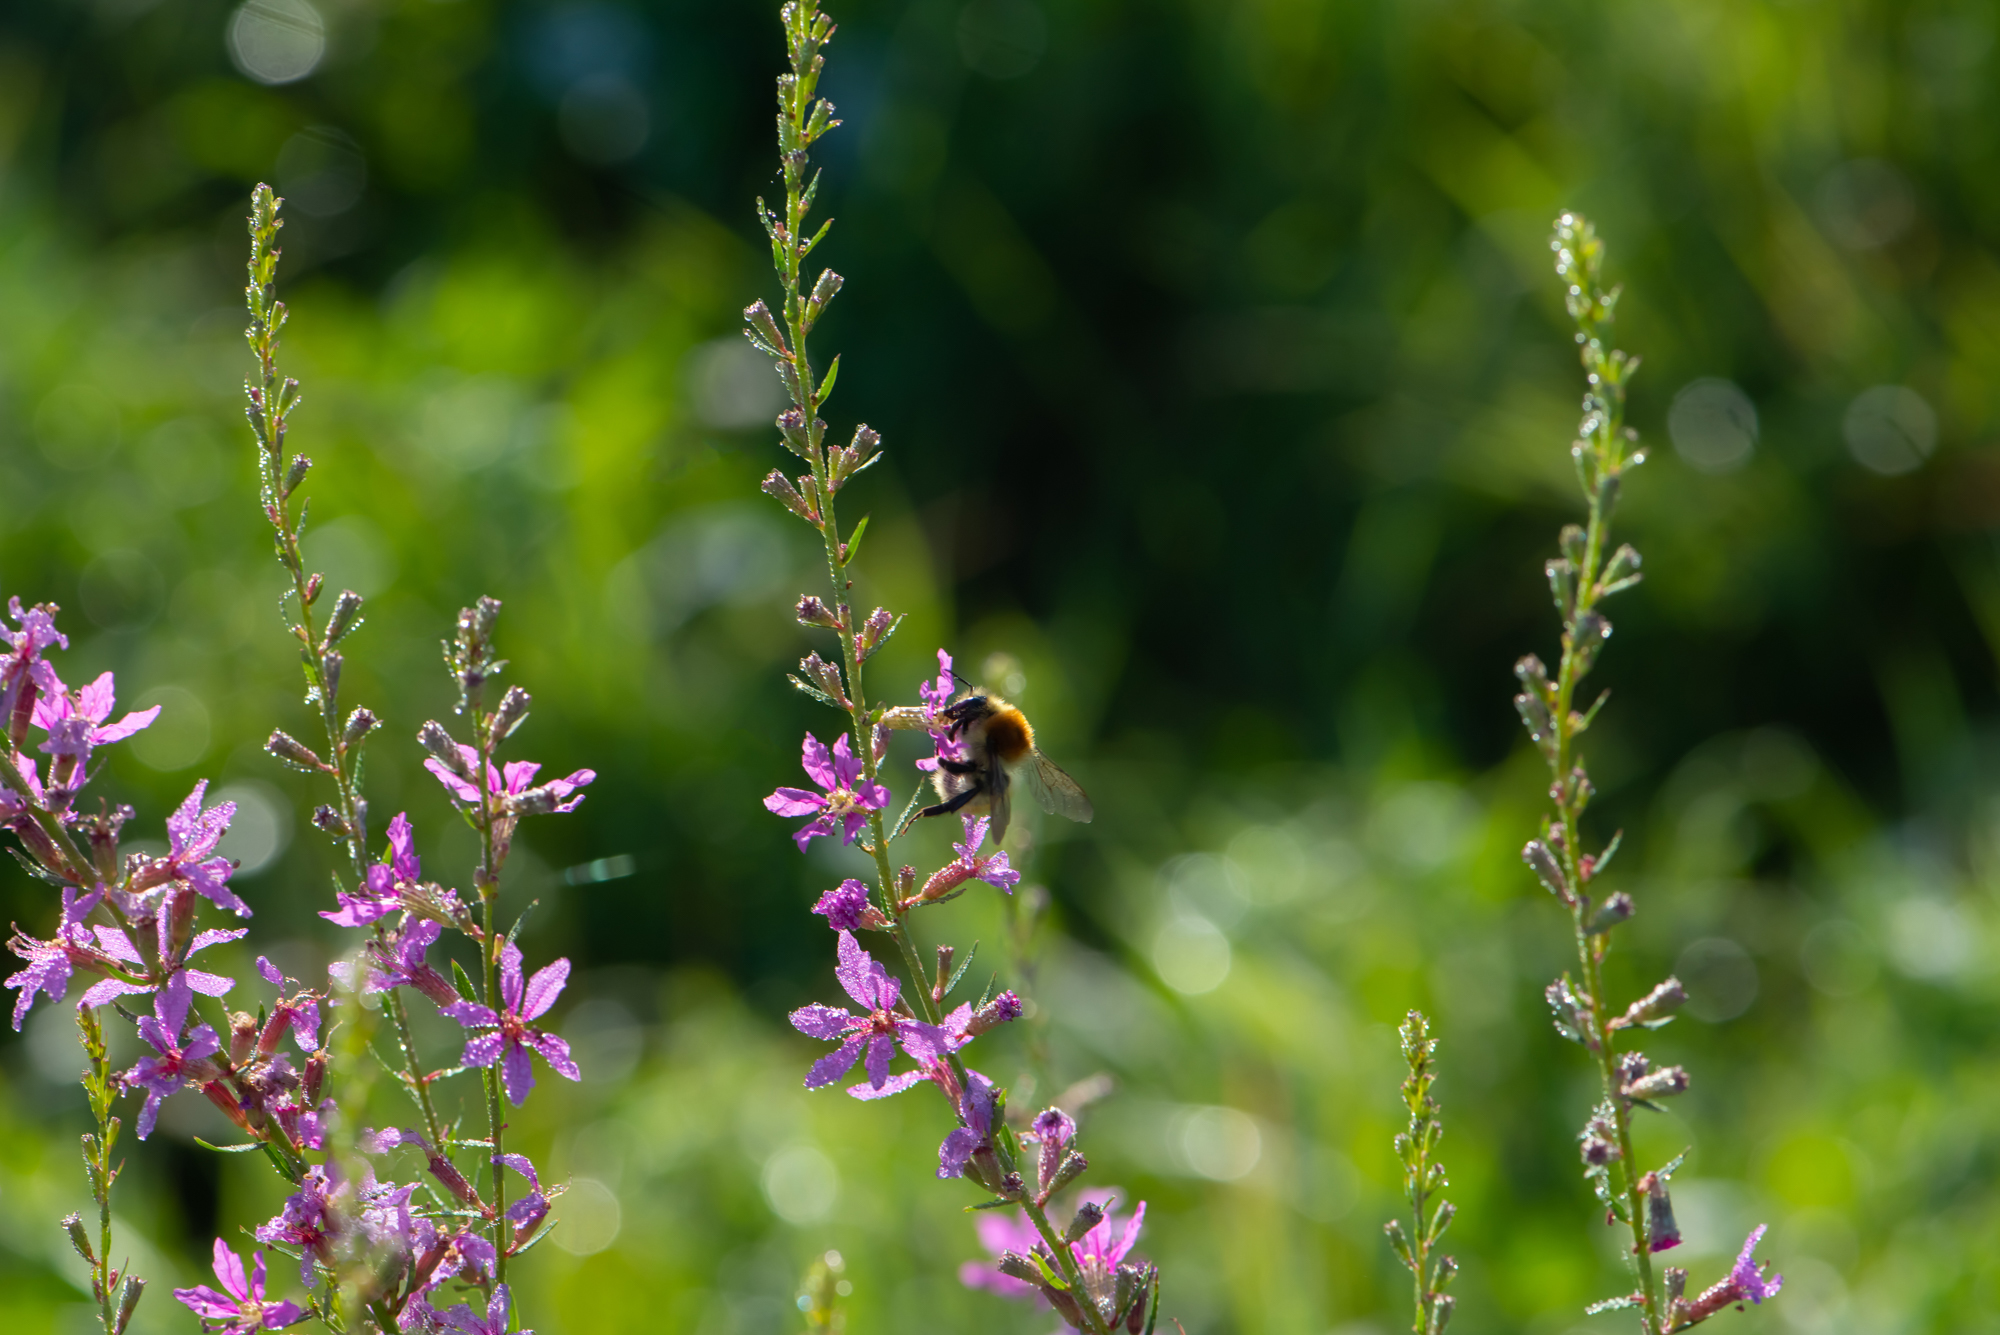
(1081, 1266)
(371, 1254)
(1586, 573)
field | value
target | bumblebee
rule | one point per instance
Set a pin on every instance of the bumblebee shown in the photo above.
(999, 751)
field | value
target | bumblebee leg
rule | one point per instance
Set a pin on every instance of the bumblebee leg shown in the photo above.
(941, 809)
(956, 766)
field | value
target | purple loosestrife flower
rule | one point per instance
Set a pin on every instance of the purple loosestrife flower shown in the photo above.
(846, 908)
(1000, 1234)
(298, 1012)
(193, 834)
(975, 1111)
(51, 962)
(75, 721)
(528, 1212)
(968, 865)
(845, 804)
(241, 1307)
(510, 783)
(172, 1064)
(936, 695)
(399, 961)
(877, 1031)
(1748, 1275)
(462, 1320)
(306, 1222)
(22, 665)
(379, 895)
(118, 946)
(510, 1037)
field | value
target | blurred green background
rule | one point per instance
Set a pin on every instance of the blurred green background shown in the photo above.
(1226, 389)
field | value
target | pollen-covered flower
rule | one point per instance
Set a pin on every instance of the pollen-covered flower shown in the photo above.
(844, 805)
(176, 1059)
(241, 1307)
(509, 1037)
(877, 1030)
(512, 784)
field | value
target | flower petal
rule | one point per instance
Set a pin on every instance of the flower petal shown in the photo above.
(543, 989)
(817, 1021)
(794, 802)
(229, 1269)
(517, 1073)
(555, 1051)
(836, 1063)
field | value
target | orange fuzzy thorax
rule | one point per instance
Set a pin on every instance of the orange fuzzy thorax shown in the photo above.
(1008, 734)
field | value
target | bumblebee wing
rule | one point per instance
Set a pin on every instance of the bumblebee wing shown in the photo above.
(1055, 791)
(998, 806)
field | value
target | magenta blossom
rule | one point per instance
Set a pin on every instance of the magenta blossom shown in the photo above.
(878, 1030)
(379, 895)
(242, 1306)
(400, 960)
(993, 869)
(936, 695)
(975, 1113)
(511, 783)
(846, 908)
(51, 962)
(76, 723)
(1748, 1275)
(528, 1212)
(306, 1222)
(22, 666)
(118, 946)
(1001, 1233)
(193, 834)
(845, 804)
(172, 1065)
(509, 1038)
(298, 1013)
(464, 1321)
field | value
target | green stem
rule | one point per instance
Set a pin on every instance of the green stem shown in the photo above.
(401, 1016)
(488, 880)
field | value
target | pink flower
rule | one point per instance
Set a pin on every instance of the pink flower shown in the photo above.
(193, 834)
(464, 1321)
(22, 667)
(845, 804)
(242, 1306)
(176, 1060)
(936, 695)
(993, 869)
(380, 895)
(509, 1037)
(876, 1031)
(511, 784)
(76, 723)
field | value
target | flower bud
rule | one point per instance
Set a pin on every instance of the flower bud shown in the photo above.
(1535, 716)
(129, 1295)
(1562, 584)
(1072, 1167)
(242, 1036)
(295, 753)
(332, 822)
(881, 623)
(824, 289)
(359, 724)
(1547, 870)
(313, 585)
(1088, 1216)
(1016, 1266)
(824, 675)
(345, 618)
(513, 712)
(330, 664)
(792, 423)
(1573, 545)
(1609, 914)
(1666, 1081)
(778, 486)
(295, 474)
(1621, 571)
(812, 612)
(1657, 1005)
(1662, 1232)
(73, 1225)
(315, 1076)
(996, 1012)
(758, 316)
(434, 739)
